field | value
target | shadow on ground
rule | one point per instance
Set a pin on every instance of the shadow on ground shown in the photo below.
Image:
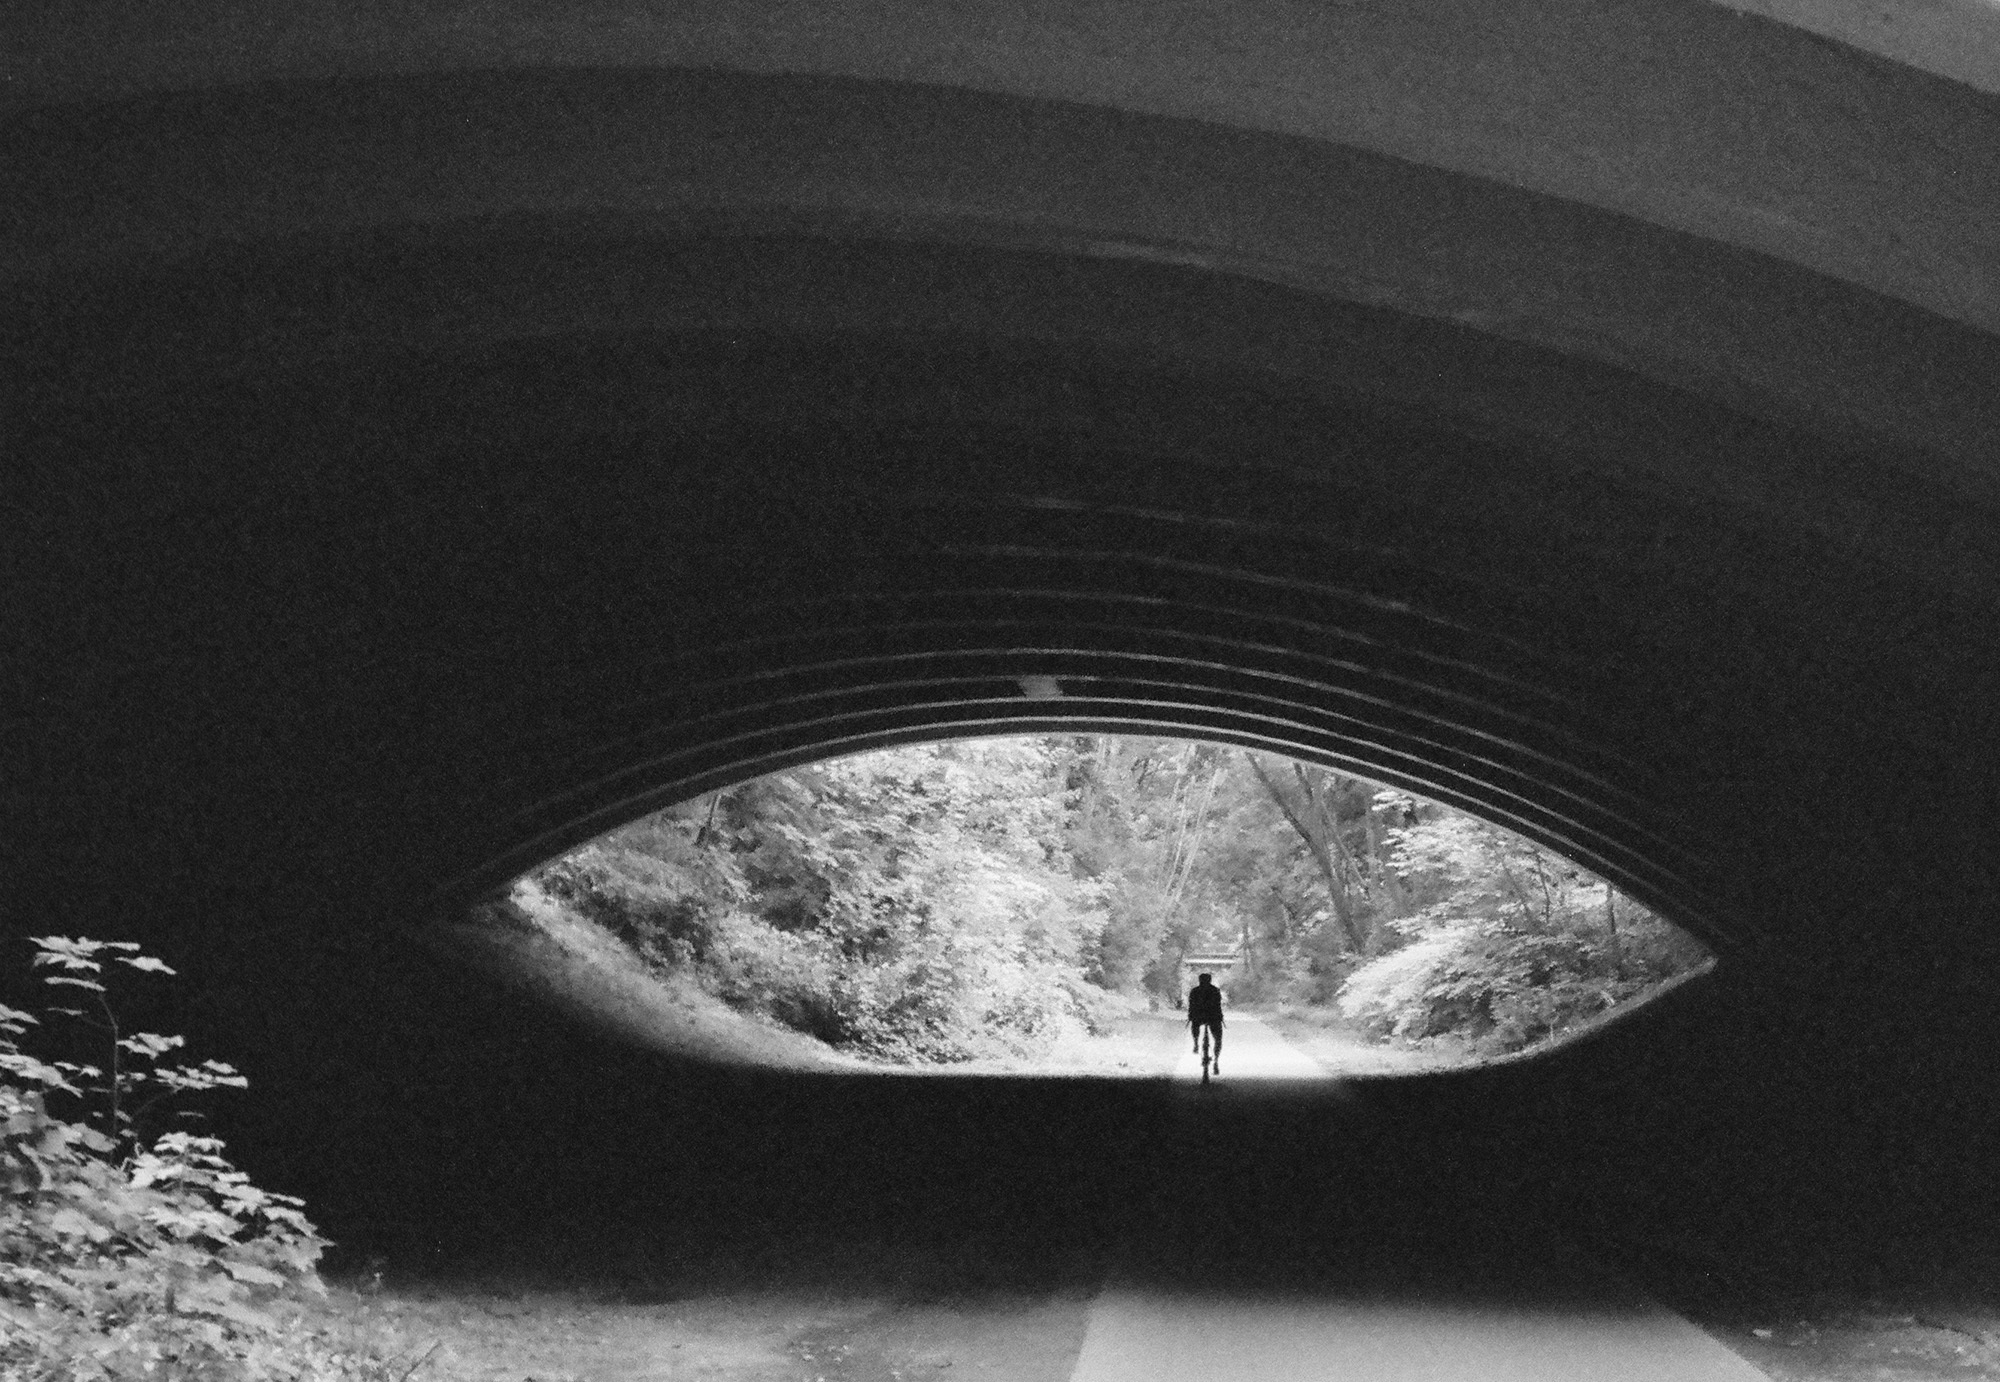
(457, 1134)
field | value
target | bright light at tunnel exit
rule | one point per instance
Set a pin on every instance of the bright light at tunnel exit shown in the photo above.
(1045, 905)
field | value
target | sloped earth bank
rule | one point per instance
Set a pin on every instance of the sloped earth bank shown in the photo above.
(1335, 1047)
(530, 942)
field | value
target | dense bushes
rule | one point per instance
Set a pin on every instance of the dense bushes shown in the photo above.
(1514, 945)
(122, 1258)
(913, 905)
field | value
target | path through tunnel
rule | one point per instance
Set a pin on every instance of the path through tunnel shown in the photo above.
(423, 458)
(580, 580)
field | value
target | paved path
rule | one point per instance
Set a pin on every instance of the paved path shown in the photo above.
(1252, 1050)
(1138, 1335)
(1456, 1300)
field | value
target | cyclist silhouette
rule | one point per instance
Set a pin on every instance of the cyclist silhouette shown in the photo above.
(1204, 1010)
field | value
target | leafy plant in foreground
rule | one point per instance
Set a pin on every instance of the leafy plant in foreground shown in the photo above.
(120, 1260)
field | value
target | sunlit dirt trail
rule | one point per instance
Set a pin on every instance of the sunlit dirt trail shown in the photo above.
(1252, 1051)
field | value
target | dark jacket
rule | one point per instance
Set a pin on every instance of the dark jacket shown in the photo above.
(1204, 1005)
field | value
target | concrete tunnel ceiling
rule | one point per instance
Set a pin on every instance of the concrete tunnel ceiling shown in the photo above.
(1580, 414)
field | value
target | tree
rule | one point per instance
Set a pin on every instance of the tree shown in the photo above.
(1319, 831)
(915, 903)
(1512, 944)
(943, 901)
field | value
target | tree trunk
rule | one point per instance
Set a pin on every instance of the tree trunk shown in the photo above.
(1188, 829)
(707, 831)
(1520, 894)
(1317, 847)
(1327, 812)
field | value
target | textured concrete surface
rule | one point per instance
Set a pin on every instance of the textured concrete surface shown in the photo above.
(1682, 113)
(1427, 1307)
(1224, 1336)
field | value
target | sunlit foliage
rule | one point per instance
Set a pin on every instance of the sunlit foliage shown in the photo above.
(948, 901)
(1510, 943)
(911, 904)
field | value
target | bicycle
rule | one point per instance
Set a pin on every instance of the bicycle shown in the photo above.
(1208, 1046)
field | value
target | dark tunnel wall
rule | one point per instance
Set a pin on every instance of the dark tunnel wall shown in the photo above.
(364, 549)
(292, 717)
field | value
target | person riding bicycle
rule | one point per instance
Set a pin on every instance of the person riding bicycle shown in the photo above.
(1204, 1010)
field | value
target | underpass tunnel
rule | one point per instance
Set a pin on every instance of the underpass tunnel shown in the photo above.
(430, 449)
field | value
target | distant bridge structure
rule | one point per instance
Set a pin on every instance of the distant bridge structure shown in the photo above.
(1220, 963)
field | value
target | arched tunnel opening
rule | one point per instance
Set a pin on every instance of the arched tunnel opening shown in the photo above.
(427, 451)
(1034, 905)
